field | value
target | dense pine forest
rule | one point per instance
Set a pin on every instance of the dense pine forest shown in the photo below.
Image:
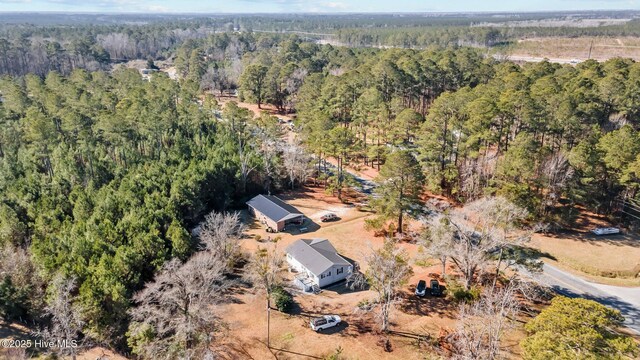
(545, 135)
(104, 175)
(103, 178)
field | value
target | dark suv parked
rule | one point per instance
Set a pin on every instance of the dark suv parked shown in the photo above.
(436, 289)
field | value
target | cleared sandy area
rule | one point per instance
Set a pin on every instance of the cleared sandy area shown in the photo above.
(359, 337)
(572, 49)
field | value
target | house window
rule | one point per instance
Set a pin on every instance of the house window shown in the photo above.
(339, 271)
(329, 274)
(321, 276)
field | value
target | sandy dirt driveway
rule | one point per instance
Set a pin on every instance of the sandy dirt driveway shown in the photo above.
(358, 336)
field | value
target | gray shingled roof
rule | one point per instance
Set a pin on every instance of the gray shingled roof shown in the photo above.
(273, 208)
(317, 255)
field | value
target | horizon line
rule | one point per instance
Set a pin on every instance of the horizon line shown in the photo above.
(308, 12)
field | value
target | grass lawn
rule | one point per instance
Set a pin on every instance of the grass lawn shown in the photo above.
(611, 260)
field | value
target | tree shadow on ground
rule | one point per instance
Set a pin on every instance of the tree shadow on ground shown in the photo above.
(411, 335)
(427, 305)
(13, 331)
(532, 253)
(318, 310)
(622, 239)
(282, 352)
(342, 288)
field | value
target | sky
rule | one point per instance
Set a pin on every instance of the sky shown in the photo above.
(313, 6)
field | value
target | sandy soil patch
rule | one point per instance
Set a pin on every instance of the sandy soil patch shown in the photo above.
(291, 337)
(268, 108)
(358, 337)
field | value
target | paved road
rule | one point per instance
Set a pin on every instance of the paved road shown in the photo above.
(365, 186)
(626, 300)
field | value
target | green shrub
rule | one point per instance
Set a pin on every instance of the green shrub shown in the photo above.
(458, 293)
(282, 299)
(365, 304)
(12, 300)
(577, 329)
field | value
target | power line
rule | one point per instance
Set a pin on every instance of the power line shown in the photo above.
(633, 201)
(632, 215)
(631, 205)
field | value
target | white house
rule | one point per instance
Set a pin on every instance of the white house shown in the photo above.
(317, 262)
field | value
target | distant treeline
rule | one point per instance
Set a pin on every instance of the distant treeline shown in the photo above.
(36, 50)
(62, 42)
(421, 37)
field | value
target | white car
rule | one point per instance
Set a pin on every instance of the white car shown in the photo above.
(606, 231)
(324, 322)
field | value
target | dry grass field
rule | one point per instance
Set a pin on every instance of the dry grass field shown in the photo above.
(602, 48)
(612, 260)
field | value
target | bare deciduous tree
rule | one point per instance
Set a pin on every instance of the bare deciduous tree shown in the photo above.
(175, 317)
(17, 267)
(482, 324)
(292, 85)
(388, 269)
(15, 262)
(556, 172)
(297, 163)
(66, 318)
(220, 233)
(500, 222)
(264, 272)
(478, 232)
(269, 148)
(216, 79)
(437, 240)
(249, 162)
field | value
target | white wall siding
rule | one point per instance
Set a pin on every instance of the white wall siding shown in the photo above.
(335, 277)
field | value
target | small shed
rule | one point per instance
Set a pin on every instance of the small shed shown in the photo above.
(273, 212)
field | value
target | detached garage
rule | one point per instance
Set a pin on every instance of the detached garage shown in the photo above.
(274, 213)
